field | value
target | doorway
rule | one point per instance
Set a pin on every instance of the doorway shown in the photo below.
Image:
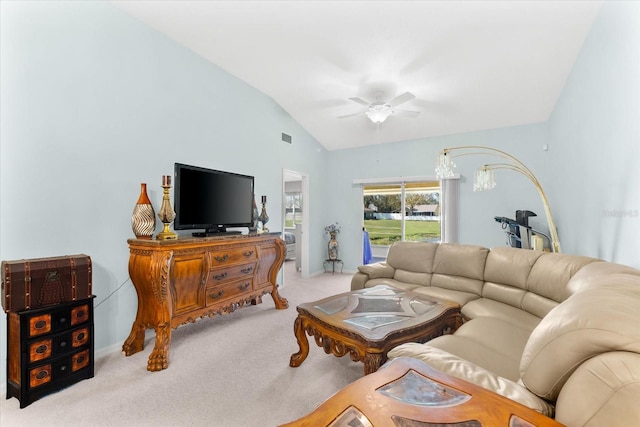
(295, 216)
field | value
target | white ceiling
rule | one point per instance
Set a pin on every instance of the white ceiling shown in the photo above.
(472, 65)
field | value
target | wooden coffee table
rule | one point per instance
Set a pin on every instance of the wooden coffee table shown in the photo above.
(367, 323)
(409, 393)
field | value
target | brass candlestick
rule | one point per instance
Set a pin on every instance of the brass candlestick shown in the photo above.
(166, 213)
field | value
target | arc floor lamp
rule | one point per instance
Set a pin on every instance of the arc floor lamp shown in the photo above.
(485, 176)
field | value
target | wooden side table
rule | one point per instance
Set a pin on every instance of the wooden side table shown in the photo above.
(408, 392)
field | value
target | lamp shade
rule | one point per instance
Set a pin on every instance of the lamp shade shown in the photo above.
(379, 113)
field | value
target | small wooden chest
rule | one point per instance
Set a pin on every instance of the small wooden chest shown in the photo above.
(40, 282)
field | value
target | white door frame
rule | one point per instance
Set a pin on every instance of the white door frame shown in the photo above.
(304, 238)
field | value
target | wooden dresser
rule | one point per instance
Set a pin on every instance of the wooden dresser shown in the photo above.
(179, 281)
(48, 349)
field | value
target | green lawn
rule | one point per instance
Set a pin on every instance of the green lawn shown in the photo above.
(387, 231)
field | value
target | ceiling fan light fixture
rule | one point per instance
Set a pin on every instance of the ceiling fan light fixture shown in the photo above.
(379, 113)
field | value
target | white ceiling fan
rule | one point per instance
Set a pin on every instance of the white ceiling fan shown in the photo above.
(379, 110)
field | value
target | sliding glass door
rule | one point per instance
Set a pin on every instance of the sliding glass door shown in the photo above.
(401, 211)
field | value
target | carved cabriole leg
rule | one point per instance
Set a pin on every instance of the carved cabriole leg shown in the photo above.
(159, 357)
(149, 272)
(372, 361)
(135, 342)
(303, 343)
(280, 302)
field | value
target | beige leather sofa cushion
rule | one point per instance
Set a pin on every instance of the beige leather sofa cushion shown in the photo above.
(593, 321)
(493, 344)
(597, 273)
(459, 297)
(485, 307)
(600, 390)
(510, 266)
(460, 260)
(463, 369)
(412, 256)
(551, 273)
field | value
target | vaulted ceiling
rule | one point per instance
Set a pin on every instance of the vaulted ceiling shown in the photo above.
(472, 65)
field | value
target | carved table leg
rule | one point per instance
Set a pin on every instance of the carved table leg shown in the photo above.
(303, 343)
(135, 342)
(372, 362)
(159, 357)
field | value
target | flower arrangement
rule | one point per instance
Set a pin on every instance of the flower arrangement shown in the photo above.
(332, 228)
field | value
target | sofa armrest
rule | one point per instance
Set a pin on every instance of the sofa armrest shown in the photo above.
(603, 391)
(379, 270)
(458, 367)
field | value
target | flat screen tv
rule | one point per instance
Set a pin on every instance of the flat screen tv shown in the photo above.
(211, 200)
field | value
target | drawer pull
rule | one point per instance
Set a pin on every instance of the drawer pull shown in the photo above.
(63, 320)
(220, 276)
(63, 368)
(81, 314)
(245, 286)
(217, 295)
(40, 324)
(80, 360)
(80, 336)
(42, 374)
(63, 344)
(222, 258)
(247, 270)
(41, 349)
(248, 253)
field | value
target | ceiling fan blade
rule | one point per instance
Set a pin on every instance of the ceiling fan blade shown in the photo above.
(400, 99)
(360, 101)
(406, 113)
(352, 115)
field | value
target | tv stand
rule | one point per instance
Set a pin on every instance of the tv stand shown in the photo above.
(178, 281)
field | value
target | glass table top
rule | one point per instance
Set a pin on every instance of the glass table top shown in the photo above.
(416, 389)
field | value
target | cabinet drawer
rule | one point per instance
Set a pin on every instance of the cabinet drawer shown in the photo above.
(234, 272)
(55, 345)
(56, 320)
(58, 369)
(215, 294)
(232, 256)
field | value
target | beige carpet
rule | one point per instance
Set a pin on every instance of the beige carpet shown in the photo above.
(226, 371)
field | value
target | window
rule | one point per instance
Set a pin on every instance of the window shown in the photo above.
(403, 211)
(414, 209)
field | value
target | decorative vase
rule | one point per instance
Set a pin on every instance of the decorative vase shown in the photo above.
(333, 247)
(143, 220)
(254, 217)
(264, 218)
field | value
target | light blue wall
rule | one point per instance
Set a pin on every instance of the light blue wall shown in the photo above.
(94, 103)
(595, 140)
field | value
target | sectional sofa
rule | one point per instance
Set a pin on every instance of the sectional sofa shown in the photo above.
(557, 333)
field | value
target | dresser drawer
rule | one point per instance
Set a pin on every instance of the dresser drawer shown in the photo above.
(41, 322)
(230, 256)
(234, 272)
(215, 294)
(58, 344)
(57, 370)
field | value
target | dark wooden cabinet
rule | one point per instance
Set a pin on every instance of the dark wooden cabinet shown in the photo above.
(48, 349)
(179, 281)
